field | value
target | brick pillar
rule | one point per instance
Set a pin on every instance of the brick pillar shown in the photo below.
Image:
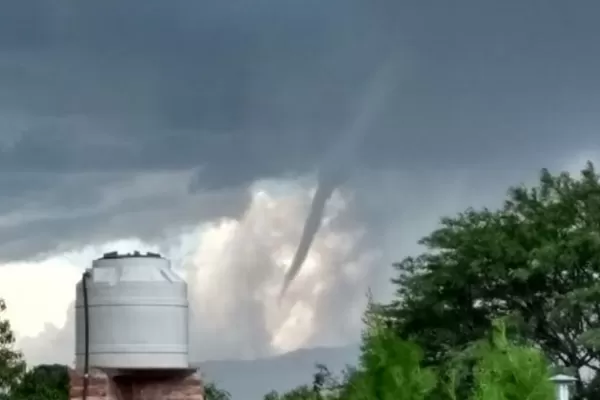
(100, 387)
(157, 386)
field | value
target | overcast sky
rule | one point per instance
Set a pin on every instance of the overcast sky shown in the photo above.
(197, 128)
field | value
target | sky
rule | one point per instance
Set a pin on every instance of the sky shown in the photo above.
(200, 130)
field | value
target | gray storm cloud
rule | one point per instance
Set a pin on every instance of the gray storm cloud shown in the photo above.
(338, 162)
(223, 88)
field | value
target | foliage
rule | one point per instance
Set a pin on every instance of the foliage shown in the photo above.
(12, 365)
(392, 368)
(304, 392)
(324, 386)
(509, 371)
(389, 368)
(43, 382)
(212, 392)
(535, 260)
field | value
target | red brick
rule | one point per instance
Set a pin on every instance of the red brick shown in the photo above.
(137, 387)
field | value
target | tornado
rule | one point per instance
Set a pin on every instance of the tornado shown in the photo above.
(336, 166)
(311, 227)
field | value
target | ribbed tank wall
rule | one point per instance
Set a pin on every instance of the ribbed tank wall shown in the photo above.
(138, 315)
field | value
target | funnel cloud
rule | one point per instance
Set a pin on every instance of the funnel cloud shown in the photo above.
(337, 164)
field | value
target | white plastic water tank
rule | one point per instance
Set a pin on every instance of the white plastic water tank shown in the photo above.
(138, 314)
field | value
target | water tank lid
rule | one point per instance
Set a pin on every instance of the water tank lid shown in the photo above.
(136, 254)
(561, 378)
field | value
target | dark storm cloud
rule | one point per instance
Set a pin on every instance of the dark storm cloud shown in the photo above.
(236, 92)
(59, 212)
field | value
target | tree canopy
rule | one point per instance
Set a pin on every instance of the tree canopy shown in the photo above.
(43, 382)
(391, 368)
(12, 365)
(536, 259)
(213, 392)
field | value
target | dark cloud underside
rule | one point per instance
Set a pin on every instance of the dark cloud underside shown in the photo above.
(238, 91)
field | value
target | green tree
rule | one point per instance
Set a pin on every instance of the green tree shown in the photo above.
(536, 260)
(212, 392)
(392, 368)
(324, 387)
(510, 371)
(43, 382)
(389, 367)
(12, 365)
(304, 392)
